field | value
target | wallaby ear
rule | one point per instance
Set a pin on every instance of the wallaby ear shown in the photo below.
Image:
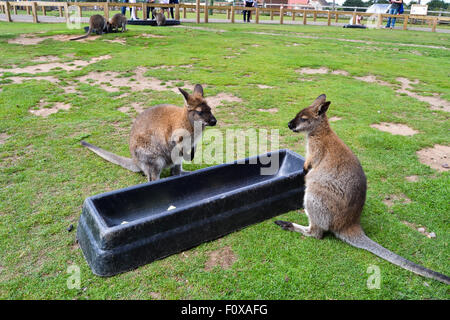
(319, 100)
(185, 95)
(198, 89)
(323, 108)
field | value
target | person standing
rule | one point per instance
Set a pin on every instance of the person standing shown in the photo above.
(165, 9)
(150, 9)
(395, 5)
(171, 9)
(248, 13)
(124, 9)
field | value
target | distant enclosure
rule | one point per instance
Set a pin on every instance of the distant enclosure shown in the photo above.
(29, 11)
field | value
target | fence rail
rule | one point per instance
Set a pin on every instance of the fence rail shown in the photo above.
(282, 12)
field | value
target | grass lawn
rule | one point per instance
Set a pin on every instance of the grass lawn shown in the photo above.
(45, 174)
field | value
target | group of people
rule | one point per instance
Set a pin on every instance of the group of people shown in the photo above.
(149, 8)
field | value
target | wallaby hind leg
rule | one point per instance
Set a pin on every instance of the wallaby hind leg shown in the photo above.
(310, 231)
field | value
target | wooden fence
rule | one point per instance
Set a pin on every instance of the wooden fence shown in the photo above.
(282, 12)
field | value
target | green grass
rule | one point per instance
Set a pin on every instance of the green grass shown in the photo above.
(45, 174)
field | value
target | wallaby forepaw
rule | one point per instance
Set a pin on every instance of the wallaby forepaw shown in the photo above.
(286, 225)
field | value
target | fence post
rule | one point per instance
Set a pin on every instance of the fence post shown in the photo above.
(405, 22)
(8, 11)
(257, 15)
(228, 14)
(232, 14)
(271, 14)
(304, 16)
(15, 9)
(177, 11)
(206, 11)
(336, 16)
(197, 10)
(66, 11)
(329, 18)
(60, 11)
(380, 20)
(184, 12)
(433, 29)
(354, 17)
(281, 14)
(106, 10)
(315, 16)
(28, 10)
(79, 11)
(44, 11)
(144, 11)
(34, 11)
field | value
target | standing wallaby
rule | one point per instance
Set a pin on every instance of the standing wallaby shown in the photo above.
(118, 21)
(160, 18)
(158, 132)
(97, 23)
(336, 189)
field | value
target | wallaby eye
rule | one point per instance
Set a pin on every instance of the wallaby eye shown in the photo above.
(200, 113)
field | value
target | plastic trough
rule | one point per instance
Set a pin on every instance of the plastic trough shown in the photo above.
(169, 22)
(123, 229)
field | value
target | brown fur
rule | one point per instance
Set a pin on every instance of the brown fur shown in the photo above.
(155, 140)
(336, 188)
(118, 21)
(97, 23)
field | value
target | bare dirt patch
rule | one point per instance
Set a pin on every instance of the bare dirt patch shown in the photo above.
(47, 67)
(435, 102)
(45, 112)
(390, 200)
(395, 128)
(22, 79)
(412, 178)
(219, 99)
(373, 79)
(155, 295)
(340, 73)
(112, 81)
(117, 40)
(3, 137)
(223, 258)
(421, 229)
(32, 39)
(334, 119)
(321, 70)
(45, 59)
(271, 110)
(133, 106)
(149, 35)
(437, 157)
(263, 86)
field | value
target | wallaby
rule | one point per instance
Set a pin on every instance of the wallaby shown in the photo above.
(118, 21)
(97, 23)
(158, 132)
(160, 18)
(336, 188)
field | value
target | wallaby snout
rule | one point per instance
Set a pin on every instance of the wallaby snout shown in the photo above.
(212, 121)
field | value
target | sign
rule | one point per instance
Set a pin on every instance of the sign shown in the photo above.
(419, 9)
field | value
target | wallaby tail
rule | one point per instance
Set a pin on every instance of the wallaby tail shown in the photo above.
(85, 36)
(360, 240)
(127, 163)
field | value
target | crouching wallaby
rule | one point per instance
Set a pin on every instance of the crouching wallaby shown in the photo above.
(160, 18)
(97, 23)
(162, 136)
(336, 189)
(118, 21)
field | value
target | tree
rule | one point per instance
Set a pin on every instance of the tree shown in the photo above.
(437, 4)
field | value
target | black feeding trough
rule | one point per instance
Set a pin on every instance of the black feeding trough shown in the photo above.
(123, 229)
(169, 22)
